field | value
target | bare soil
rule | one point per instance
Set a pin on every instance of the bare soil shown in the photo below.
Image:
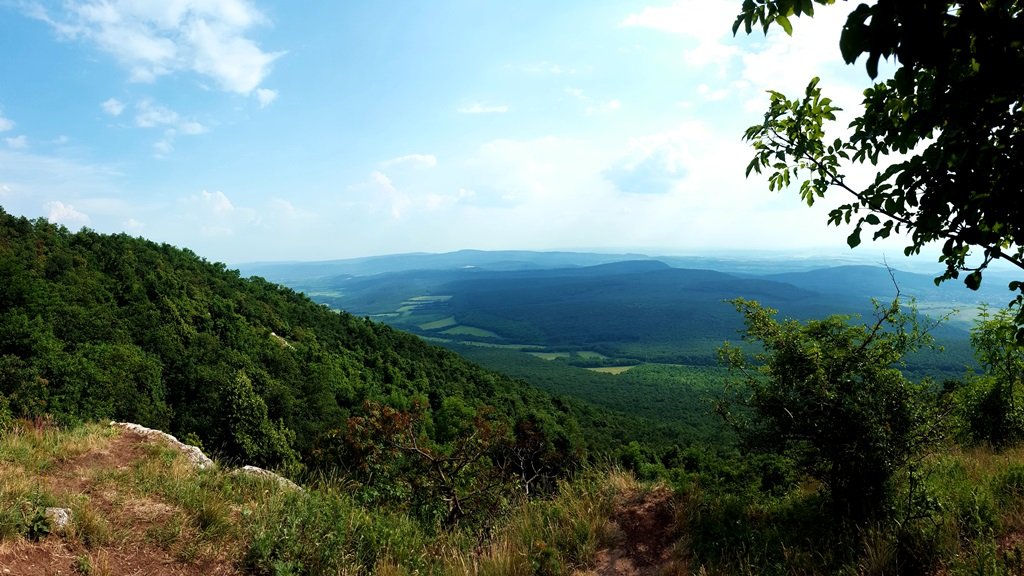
(130, 549)
(648, 528)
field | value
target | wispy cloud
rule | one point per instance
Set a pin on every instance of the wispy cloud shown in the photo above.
(153, 39)
(265, 96)
(151, 115)
(478, 108)
(604, 107)
(710, 28)
(413, 160)
(113, 107)
(5, 123)
(383, 187)
(214, 214)
(593, 107)
(17, 142)
(545, 67)
(713, 94)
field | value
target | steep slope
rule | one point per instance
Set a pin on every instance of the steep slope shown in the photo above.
(97, 326)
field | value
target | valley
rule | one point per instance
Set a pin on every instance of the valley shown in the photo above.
(636, 337)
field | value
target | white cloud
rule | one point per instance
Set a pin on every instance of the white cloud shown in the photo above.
(17, 142)
(713, 94)
(545, 67)
(154, 38)
(562, 192)
(478, 108)
(192, 128)
(265, 96)
(433, 201)
(217, 202)
(61, 213)
(235, 62)
(214, 214)
(604, 107)
(150, 115)
(37, 176)
(787, 63)
(412, 160)
(709, 25)
(592, 107)
(5, 124)
(164, 146)
(285, 210)
(653, 165)
(382, 186)
(216, 231)
(133, 225)
(113, 107)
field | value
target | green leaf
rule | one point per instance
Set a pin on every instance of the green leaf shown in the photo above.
(873, 64)
(783, 21)
(973, 280)
(853, 240)
(871, 219)
(852, 40)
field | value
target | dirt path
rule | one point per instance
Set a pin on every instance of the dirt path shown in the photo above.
(648, 524)
(117, 530)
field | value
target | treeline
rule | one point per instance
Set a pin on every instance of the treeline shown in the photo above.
(96, 326)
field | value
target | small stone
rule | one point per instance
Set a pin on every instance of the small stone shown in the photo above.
(59, 517)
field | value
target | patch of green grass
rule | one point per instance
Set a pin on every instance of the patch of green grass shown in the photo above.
(438, 324)
(550, 355)
(423, 299)
(470, 331)
(611, 369)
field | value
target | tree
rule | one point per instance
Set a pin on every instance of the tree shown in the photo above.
(458, 476)
(830, 395)
(952, 113)
(994, 401)
(256, 438)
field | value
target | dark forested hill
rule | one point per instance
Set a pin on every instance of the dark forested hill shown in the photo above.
(96, 326)
(629, 311)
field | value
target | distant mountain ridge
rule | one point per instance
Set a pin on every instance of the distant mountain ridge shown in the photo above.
(371, 265)
(626, 310)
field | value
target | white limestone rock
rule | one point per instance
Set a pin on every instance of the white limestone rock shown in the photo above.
(193, 453)
(260, 472)
(59, 518)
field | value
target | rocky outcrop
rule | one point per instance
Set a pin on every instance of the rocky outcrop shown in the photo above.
(200, 460)
(261, 473)
(193, 453)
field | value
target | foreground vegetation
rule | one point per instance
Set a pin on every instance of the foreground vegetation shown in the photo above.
(152, 500)
(828, 456)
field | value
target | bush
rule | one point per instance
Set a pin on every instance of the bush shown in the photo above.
(830, 396)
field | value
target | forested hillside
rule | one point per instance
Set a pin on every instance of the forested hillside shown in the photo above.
(96, 326)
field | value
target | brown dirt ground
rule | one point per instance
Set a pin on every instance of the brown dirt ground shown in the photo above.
(130, 550)
(648, 527)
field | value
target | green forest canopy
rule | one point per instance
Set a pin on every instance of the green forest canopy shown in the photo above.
(96, 326)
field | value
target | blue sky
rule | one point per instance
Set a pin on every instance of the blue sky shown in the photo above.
(260, 130)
